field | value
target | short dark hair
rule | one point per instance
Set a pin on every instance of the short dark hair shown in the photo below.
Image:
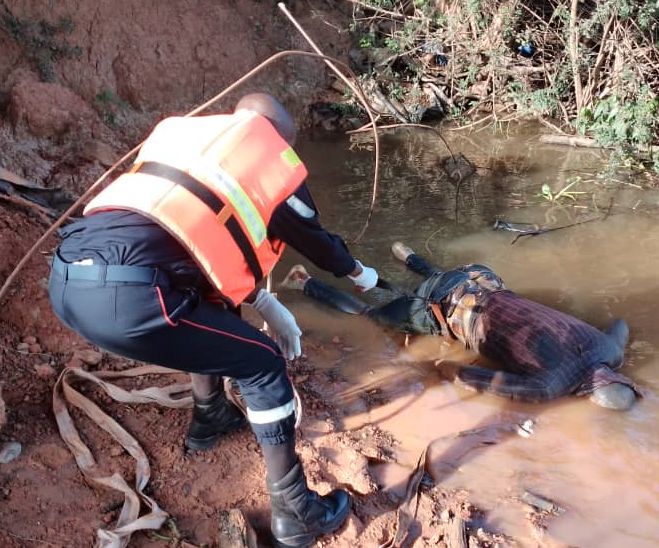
(269, 107)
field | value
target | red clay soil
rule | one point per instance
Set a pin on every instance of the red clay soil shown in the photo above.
(122, 65)
(46, 500)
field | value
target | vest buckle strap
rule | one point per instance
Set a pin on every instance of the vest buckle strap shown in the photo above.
(211, 200)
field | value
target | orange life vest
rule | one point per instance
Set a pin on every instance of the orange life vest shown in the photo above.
(213, 182)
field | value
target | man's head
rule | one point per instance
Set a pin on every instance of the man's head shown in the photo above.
(267, 106)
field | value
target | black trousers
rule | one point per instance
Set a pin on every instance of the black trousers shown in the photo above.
(172, 327)
(402, 311)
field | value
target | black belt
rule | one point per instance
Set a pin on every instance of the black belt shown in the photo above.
(110, 273)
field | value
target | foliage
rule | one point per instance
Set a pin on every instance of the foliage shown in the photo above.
(563, 193)
(43, 42)
(590, 66)
(108, 104)
(630, 124)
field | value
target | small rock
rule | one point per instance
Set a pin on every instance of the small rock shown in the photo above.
(23, 348)
(90, 357)
(353, 528)
(35, 348)
(94, 150)
(336, 339)
(30, 340)
(74, 362)
(348, 349)
(45, 370)
(116, 450)
(10, 451)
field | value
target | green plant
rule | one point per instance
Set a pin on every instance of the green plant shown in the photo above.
(346, 109)
(367, 41)
(42, 41)
(565, 192)
(392, 44)
(596, 68)
(108, 104)
(631, 123)
(396, 91)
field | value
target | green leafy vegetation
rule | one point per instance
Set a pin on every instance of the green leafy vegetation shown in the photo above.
(43, 42)
(109, 105)
(587, 67)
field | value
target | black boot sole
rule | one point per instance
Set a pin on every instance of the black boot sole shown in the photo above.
(308, 539)
(204, 444)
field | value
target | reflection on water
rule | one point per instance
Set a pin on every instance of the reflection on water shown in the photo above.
(600, 465)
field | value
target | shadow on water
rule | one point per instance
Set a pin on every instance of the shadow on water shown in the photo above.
(598, 464)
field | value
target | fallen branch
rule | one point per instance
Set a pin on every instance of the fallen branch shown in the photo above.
(395, 112)
(569, 140)
(587, 142)
(43, 213)
(376, 9)
(541, 230)
(456, 533)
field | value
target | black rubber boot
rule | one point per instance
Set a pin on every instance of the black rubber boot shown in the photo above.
(212, 418)
(300, 515)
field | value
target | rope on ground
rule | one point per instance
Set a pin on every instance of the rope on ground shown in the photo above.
(175, 395)
(129, 520)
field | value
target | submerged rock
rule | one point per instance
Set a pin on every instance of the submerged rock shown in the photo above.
(10, 451)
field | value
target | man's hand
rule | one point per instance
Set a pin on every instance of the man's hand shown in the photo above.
(364, 277)
(281, 323)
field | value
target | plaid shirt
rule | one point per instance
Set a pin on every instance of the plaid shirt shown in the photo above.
(528, 338)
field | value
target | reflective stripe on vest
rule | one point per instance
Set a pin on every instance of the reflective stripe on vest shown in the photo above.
(214, 203)
(213, 182)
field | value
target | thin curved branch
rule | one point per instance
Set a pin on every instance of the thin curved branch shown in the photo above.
(85, 195)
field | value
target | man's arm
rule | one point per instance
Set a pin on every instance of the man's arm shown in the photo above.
(296, 223)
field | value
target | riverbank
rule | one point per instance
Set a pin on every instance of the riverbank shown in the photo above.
(80, 89)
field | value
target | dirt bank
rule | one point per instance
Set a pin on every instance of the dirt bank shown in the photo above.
(81, 84)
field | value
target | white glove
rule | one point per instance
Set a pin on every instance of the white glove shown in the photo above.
(366, 279)
(281, 323)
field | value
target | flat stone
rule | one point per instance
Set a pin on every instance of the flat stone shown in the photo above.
(94, 150)
(10, 451)
(23, 348)
(45, 371)
(90, 357)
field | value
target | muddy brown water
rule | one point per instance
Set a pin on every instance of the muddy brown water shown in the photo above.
(600, 466)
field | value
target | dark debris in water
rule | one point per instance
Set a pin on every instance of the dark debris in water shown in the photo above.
(458, 167)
